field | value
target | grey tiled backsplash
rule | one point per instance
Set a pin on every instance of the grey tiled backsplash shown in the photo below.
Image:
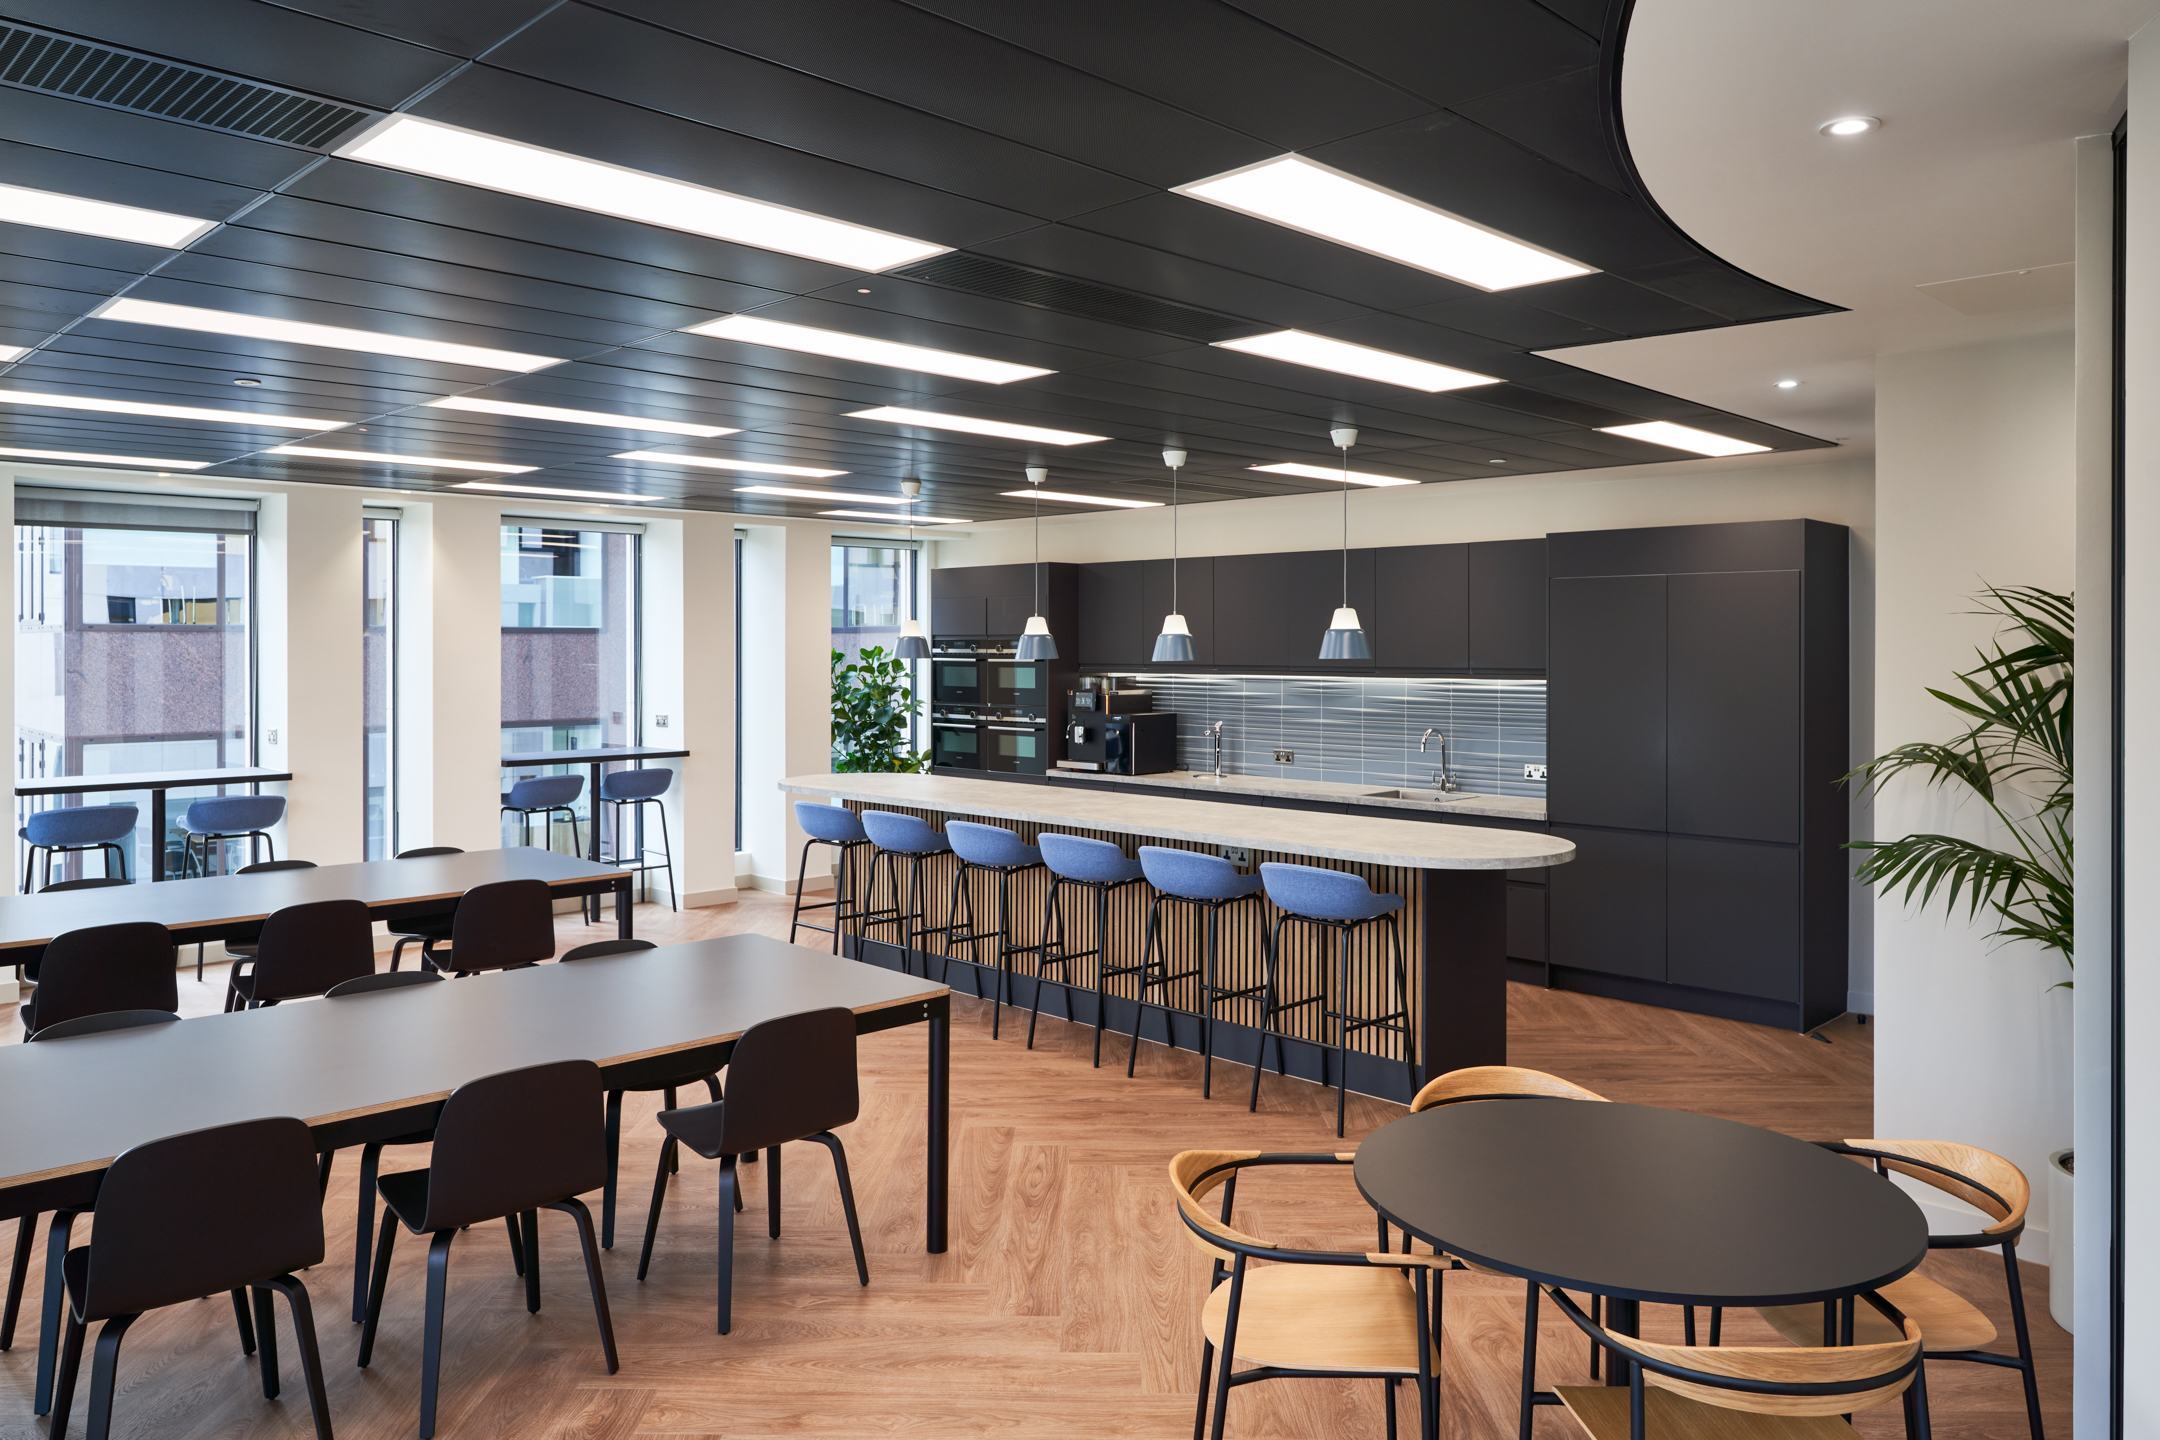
(1362, 732)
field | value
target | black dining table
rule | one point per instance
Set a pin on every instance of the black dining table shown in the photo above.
(1637, 1203)
(157, 782)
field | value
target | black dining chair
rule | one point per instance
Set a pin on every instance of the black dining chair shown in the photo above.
(128, 966)
(420, 927)
(790, 1078)
(95, 882)
(383, 980)
(665, 1073)
(506, 1145)
(501, 926)
(303, 951)
(241, 944)
(228, 1208)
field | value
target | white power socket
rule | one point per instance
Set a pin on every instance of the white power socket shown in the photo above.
(1533, 772)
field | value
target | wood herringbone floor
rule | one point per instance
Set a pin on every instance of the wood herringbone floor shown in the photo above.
(1067, 1304)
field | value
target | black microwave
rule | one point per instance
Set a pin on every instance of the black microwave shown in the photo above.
(1021, 683)
(956, 744)
(957, 682)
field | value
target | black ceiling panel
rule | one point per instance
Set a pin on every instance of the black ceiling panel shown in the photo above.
(1040, 141)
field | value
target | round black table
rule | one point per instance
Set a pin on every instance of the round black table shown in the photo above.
(1637, 1203)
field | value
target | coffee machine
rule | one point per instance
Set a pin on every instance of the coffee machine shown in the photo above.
(1117, 732)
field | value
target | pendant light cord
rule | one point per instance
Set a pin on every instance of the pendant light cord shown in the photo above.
(1346, 527)
(1035, 491)
(1173, 540)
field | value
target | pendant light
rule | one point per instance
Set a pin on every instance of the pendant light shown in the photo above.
(1035, 641)
(1174, 645)
(1345, 638)
(914, 645)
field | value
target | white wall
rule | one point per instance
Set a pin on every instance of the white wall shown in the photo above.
(787, 682)
(689, 623)
(1974, 484)
(308, 567)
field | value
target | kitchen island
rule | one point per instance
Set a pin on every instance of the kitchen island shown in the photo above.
(1452, 879)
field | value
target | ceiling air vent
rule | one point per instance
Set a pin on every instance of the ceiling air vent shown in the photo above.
(1001, 280)
(36, 60)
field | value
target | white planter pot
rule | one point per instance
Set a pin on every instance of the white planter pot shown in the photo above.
(2062, 1201)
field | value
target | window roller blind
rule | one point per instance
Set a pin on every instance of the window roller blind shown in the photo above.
(120, 510)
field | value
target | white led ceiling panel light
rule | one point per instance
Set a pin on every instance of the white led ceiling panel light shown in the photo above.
(165, 412)
(327, 337)
(750, 330)
(1295, 192)
(78, 456)
(52, 211)
(12, 352)
(1321, 353)
(411, 462)
(711, 462)
(550, 490)
(969, 425)
(580, 417)
(406, 142)
(840, 495)
(1684, 437)
(1321, 472)
(1083, 499)
(873, 515)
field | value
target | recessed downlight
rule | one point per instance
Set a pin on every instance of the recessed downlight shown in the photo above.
(1788, 384)
(1302, 195)
(410, 462)
(1335, 476)
(715, 462)
(1684, 437)
(1849, 125)
(406, 142)
(809, 340)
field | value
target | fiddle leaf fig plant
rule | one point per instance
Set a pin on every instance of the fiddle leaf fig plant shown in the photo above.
(872, 703)
(2015, 755)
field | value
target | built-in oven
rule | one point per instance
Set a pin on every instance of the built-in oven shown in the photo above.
(956, 742)
(1019, 683)
(1015, 746)
(956, 680)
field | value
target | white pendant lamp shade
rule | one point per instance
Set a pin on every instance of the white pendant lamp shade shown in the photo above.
(1035, 641)
(1174, 646)
(914, 645)
(1345, 638)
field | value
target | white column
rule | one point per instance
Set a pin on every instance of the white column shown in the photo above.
(786, 675)
(689, 692)
(452, 707)
(308, 570)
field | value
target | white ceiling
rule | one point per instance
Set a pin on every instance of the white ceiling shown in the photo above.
(1970, 175)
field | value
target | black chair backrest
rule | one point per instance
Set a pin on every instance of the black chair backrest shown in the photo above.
(210, 1210)
(513, 1141)
(95, 884)
(423, 853)
(791, 1077)
(262, 865)
(511, 922)
(597, 948)
(99, 1024)
(306, 949)
(129, 966)
(387, 980)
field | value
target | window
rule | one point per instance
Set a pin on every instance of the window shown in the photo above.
(378, 640)
(873, 590)
(569, 644)
(134, 642)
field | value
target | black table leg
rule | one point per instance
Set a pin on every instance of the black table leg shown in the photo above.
(592, 816)
(623, 887)
(1622, 1317)
(940, 1115)
(157, 834)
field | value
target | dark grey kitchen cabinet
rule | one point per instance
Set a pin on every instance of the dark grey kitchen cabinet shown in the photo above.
(1606, 702)
(1506, 586)
(958, 615)
(1732, 705)
(1194, 598)
(1526, 923)
(1607, 913)
(1009, 614)
(1732, 917)
(1420, 618)
(1271, 611)
(1111, 610)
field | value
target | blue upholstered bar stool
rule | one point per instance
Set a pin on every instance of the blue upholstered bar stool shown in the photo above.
(73, 829)
(1342, 902)
(1208, 883)
(901, 837)
(632, 790)
(1093, 865)
(999, 851)
(229, 817)
(545, 795)
(840, 827)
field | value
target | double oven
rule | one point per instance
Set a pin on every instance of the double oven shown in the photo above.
(988, 709)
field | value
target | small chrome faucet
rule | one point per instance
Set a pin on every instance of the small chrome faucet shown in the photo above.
(1442, 781)
(1215, 730)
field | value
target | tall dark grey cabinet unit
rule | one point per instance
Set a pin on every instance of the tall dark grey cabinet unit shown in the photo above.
(1697, 727)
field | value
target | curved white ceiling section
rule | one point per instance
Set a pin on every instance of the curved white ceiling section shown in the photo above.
(1969, 175)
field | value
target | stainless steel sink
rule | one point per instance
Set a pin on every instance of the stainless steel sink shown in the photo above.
(1430, 797)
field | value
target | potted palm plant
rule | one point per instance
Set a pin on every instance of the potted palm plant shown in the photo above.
(2014, 755)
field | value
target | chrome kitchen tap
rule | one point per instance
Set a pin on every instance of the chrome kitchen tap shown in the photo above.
(1442, 781)
(1215, 730)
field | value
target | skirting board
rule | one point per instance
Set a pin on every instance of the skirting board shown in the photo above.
(700, 899)
(783, 884)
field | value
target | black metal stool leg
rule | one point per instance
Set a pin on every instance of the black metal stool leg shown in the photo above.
(1102, 964)
(1147, 953)
(802, 873)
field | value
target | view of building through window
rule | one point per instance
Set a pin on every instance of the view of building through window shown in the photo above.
(132, 653)
(873, 590)
(378, 641)
(569, 647)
